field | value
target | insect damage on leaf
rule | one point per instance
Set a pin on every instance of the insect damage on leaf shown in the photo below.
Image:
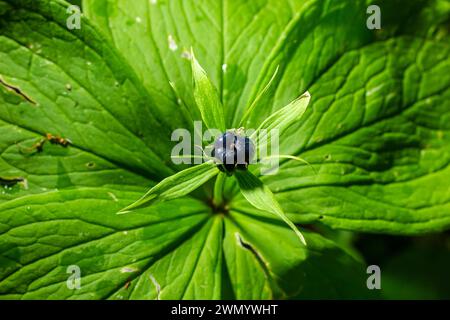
(57, 140)
(10, 182)
(16, 90)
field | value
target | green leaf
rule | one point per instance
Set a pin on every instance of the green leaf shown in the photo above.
(136, 256)
(176, 186)
(381, 156)
(254, 104)
(265, 260)
(207, 98)
(260, 196)
(287, 116)
(172, 250)
(96, 101)
(280, 121)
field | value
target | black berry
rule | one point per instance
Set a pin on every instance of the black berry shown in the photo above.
(233, 152)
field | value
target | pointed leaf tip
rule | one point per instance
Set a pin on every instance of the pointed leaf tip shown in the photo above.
(175, 186)
(251, 109)
(207, 97)
(280, 121)
(260, 196)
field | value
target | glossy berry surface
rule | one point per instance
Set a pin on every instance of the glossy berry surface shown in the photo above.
(233, 152)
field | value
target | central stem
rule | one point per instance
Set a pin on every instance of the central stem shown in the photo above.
(218, 189)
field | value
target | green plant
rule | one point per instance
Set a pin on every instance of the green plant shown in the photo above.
(86, 118)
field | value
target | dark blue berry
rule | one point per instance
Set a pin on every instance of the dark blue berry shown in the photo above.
(225, 141)
(233, 152)
(245, 150)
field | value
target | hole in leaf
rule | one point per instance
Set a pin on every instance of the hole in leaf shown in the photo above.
(90, 164)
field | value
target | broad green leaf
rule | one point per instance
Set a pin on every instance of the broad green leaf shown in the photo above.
(381, 157)
(89, 95)
(375, 129)
(172, 250)
(113, 252)
(181, 273)
(176, 186)
(245, 271)
(259, 243)
(207, 98)
(57, 168)
(314, 36)
(231, 47)
(260, 196)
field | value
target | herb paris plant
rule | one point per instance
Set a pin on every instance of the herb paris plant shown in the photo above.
(375, 134)
(211, 109)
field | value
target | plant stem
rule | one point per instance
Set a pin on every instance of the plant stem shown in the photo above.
(218, 189)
